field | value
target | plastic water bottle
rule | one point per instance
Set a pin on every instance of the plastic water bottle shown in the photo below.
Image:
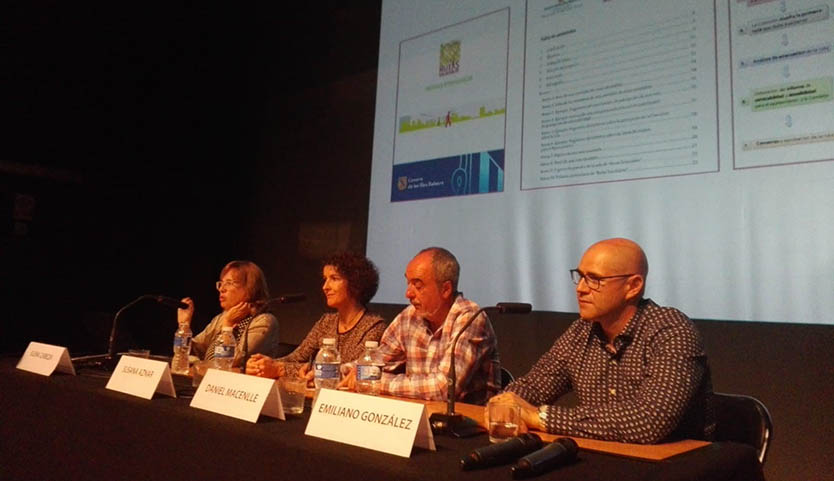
(369, 370)
(224, 353)
(182, 349)
(328, 363)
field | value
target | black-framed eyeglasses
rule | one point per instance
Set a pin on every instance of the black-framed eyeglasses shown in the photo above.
(593, 282)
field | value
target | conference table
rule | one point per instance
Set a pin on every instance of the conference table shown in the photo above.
(71, 427)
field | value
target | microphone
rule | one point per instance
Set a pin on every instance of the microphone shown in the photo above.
(450, 421)
(501, 453)
(513, 308)
(558, 453)
(170, 302)
(111, 343)
(287, 299)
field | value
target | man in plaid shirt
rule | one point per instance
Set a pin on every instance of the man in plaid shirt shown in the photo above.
(417, 345)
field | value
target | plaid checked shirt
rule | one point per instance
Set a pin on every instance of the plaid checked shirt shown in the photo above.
(409, 343)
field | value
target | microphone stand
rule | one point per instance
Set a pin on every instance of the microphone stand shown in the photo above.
(285, 299)
(453, 423)
(110, 357)
(101, 359)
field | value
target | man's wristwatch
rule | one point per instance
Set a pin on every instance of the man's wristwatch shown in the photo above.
(543, 416)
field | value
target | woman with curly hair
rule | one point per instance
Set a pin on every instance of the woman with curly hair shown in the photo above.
(350, 281)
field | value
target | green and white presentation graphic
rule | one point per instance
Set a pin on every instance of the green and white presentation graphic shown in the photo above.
(451, 106)
(783, 80)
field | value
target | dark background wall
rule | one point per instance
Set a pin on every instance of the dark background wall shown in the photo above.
(144, 147)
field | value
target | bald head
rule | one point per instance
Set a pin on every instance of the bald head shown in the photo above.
(621, 256)
(619, 268)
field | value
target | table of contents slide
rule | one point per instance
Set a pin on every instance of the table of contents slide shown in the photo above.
(618, 91)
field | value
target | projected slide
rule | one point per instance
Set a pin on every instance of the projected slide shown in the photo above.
(701, 129)
(618, 91)
(451, 110)
(783, 81)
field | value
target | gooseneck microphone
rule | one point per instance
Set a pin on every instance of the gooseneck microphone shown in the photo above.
(513, 308)
(558, 453)
(111, 343)
(501, 453)
(165, 301)
(285, 299)
(170, 302)
(501, 308)
(448, 422)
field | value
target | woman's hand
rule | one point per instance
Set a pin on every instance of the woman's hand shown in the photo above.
(348, 379)
(265, 366)
(184, 316)
(308, 374)
(237, 313)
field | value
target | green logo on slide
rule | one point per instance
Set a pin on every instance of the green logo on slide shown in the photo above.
(449, 57)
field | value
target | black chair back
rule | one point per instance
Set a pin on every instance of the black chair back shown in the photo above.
(743, 419)
(506, 377)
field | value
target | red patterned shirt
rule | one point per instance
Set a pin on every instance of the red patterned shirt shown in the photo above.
(425, 355)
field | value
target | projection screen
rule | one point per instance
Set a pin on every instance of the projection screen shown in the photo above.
(517, 133)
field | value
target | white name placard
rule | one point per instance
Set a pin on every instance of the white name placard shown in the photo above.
(44, 359)
(388, 425)
(142, 377)
(238, 395)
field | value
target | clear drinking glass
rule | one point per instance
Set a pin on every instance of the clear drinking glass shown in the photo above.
(504, 418)
(198, 370)
(293, 391)
(144, 353)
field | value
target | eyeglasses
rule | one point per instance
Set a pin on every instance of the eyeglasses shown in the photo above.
(226, 284)
(593, 282)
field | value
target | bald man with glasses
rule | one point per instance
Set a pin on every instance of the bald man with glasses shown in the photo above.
(639, 370)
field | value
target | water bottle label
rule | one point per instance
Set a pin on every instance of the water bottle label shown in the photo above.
(183, 341)
(327, 371)
(366, 372)
(224, 351)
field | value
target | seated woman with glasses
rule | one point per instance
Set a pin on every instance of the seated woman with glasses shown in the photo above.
(244, 299)
(350, 281)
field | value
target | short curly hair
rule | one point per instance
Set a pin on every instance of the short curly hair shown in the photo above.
(361, 274)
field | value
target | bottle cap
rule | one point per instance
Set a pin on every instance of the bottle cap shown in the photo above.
(371, 344)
